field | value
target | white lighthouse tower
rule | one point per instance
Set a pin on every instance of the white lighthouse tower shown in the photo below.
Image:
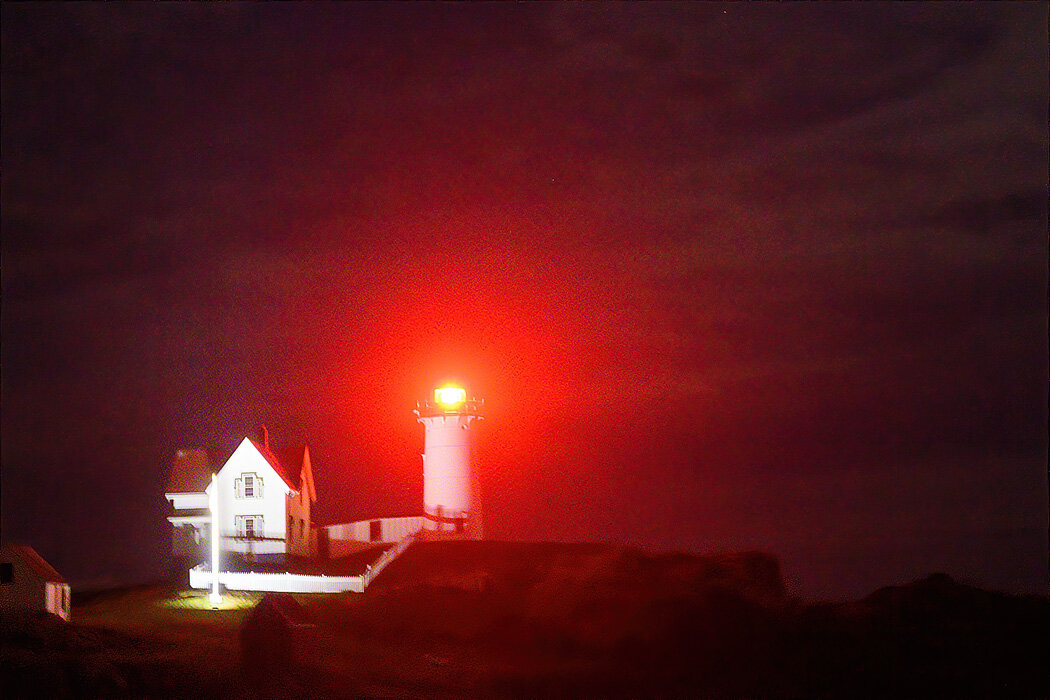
(451, 502)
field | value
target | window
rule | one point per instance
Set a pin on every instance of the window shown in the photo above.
(375, 530)
(7, 572)
(249, 485)
(302, 528)
(249, 526)
(291, 526)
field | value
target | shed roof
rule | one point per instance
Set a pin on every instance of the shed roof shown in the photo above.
(364, 515)
(192, 512)
(36, 563)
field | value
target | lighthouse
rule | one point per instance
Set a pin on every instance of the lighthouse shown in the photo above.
(451, 502)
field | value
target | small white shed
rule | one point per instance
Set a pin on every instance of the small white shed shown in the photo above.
(28, 583)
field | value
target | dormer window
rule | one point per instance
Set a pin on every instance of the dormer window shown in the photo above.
(249, 485)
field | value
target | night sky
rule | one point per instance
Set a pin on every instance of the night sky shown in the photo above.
(756, 276)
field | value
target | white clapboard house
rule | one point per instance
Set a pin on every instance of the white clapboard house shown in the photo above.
(29, 584)
(263, 502)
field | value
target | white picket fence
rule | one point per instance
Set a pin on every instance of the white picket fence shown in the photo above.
(300, 583)
(285, 583)
(388, 556)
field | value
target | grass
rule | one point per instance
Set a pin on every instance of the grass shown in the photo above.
(201, 600)
(182, 629)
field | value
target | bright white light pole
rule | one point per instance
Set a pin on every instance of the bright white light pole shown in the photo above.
(213, 506)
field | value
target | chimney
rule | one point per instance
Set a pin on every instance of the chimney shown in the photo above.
(264, 436)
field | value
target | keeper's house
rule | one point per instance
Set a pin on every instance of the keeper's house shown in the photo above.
(264, 503)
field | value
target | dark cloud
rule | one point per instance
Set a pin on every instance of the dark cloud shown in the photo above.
(987, 215)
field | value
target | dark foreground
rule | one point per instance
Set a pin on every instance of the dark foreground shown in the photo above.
(492, 619)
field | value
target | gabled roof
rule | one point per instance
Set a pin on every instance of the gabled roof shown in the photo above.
(190, 472)
(36, 563)
(191, 469)
(290, 474)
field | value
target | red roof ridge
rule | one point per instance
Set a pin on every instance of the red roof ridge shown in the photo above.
(306, 475)
(275, 463)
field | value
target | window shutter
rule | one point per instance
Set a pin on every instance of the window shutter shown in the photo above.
(258, 487)
(238, 487)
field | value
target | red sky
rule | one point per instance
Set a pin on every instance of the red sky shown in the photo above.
(765, 276)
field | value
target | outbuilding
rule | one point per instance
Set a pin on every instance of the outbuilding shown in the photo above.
(30, 584)
(277, 636)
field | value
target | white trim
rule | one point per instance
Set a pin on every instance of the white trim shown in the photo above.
(285, 583)
(189, 519)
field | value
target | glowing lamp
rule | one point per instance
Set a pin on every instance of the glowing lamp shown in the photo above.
(449, 397)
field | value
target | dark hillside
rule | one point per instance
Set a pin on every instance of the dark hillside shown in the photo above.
(43, 657)
(933, 637)
(498, 619)
(603, 570)
(588, 619)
